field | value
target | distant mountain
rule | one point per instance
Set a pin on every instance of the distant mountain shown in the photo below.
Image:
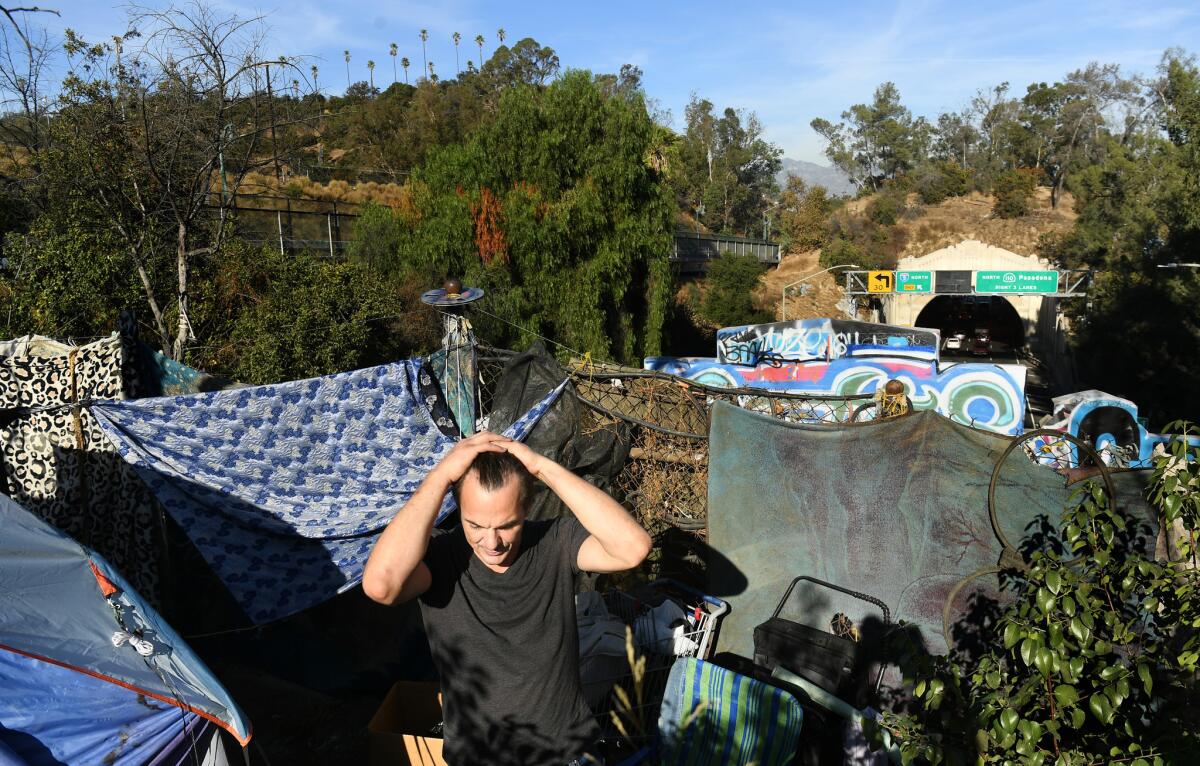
(834, 180)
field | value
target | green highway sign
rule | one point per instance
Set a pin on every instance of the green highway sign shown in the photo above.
(914, 281)
(1016, 282)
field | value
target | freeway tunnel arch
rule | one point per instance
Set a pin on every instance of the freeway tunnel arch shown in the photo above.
(1037, 321)
(968, 314)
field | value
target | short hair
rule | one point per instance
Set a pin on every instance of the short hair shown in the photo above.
(494, 470)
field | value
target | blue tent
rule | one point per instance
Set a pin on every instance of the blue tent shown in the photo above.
(89, 672)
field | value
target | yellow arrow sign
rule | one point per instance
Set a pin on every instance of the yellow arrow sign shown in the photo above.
(881, 281)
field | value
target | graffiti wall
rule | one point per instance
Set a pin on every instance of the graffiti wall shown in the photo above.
(806, 340)
(990, 396)
(1108, 423)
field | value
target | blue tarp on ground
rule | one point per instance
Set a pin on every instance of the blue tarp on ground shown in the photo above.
(284, 488)
(68, 693)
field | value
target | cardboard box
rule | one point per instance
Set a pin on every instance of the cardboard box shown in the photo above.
(400, 727)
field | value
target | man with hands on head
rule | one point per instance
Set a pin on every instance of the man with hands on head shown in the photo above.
(498, 597)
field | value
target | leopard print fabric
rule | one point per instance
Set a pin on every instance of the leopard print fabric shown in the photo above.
(59, 465)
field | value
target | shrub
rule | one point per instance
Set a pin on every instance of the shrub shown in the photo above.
(1094, 662)
(939, 181)
(887, 207)
(1013, 190)
(728, 301)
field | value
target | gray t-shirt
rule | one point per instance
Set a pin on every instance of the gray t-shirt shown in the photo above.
(507, 648)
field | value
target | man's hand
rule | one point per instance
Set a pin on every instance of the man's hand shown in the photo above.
(395, 570)
(458, 460)
(532, 461)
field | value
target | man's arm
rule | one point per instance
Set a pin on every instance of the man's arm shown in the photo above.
(616, 541)
(395, 571)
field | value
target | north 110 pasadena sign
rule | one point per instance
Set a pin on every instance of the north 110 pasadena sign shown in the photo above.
(1016, 282)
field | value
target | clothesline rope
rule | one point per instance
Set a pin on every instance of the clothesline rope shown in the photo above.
(530, 332)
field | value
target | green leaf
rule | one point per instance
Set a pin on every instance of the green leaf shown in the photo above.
(1045, 600)
(1076, 666)
(1080, 631)
(920, 689)
(1012, 634)
(1068, 605)
(1043, 659)
(1054, 581)
(1077, 717)
(1143, 670)
(1028, 647)
(1101, 708)
(1009, 719)
(1066, 694)
(992, 679)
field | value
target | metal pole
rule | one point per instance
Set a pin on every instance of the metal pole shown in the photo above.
(279, 224)
(329, 224)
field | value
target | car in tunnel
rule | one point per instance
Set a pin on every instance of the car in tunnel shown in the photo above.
(955, 342)
(981, 342)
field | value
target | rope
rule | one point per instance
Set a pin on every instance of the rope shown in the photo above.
(530, 332)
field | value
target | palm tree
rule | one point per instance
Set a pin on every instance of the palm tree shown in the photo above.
(432, 76)
(424, 37)
(296, 88)
(470, 66)
(371, 72)
(347, 55)
(500, 35)
(392, 50)
(479, 42)
(314, 73)
(456, 37)
(404, 64)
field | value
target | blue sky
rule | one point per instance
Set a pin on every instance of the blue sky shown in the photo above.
(788, 62)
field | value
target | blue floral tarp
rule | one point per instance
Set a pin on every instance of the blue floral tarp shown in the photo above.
(284, 488)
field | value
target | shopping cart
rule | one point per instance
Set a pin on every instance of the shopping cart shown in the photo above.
(669, 620)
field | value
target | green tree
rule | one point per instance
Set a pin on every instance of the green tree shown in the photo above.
(937, 181)
(728, 300)
(727, 169)
(555, 210)
(803, 215)
(141, 142)
(288, 317)
(65, 277)
(1013, 190)
(877, 141)
(528, 62)
(1066, 120)
(424, 58)
(1139, 208)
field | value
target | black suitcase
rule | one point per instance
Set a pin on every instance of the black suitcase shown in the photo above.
(819, 656)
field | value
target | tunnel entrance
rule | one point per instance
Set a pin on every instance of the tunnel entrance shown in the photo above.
(966, 320)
